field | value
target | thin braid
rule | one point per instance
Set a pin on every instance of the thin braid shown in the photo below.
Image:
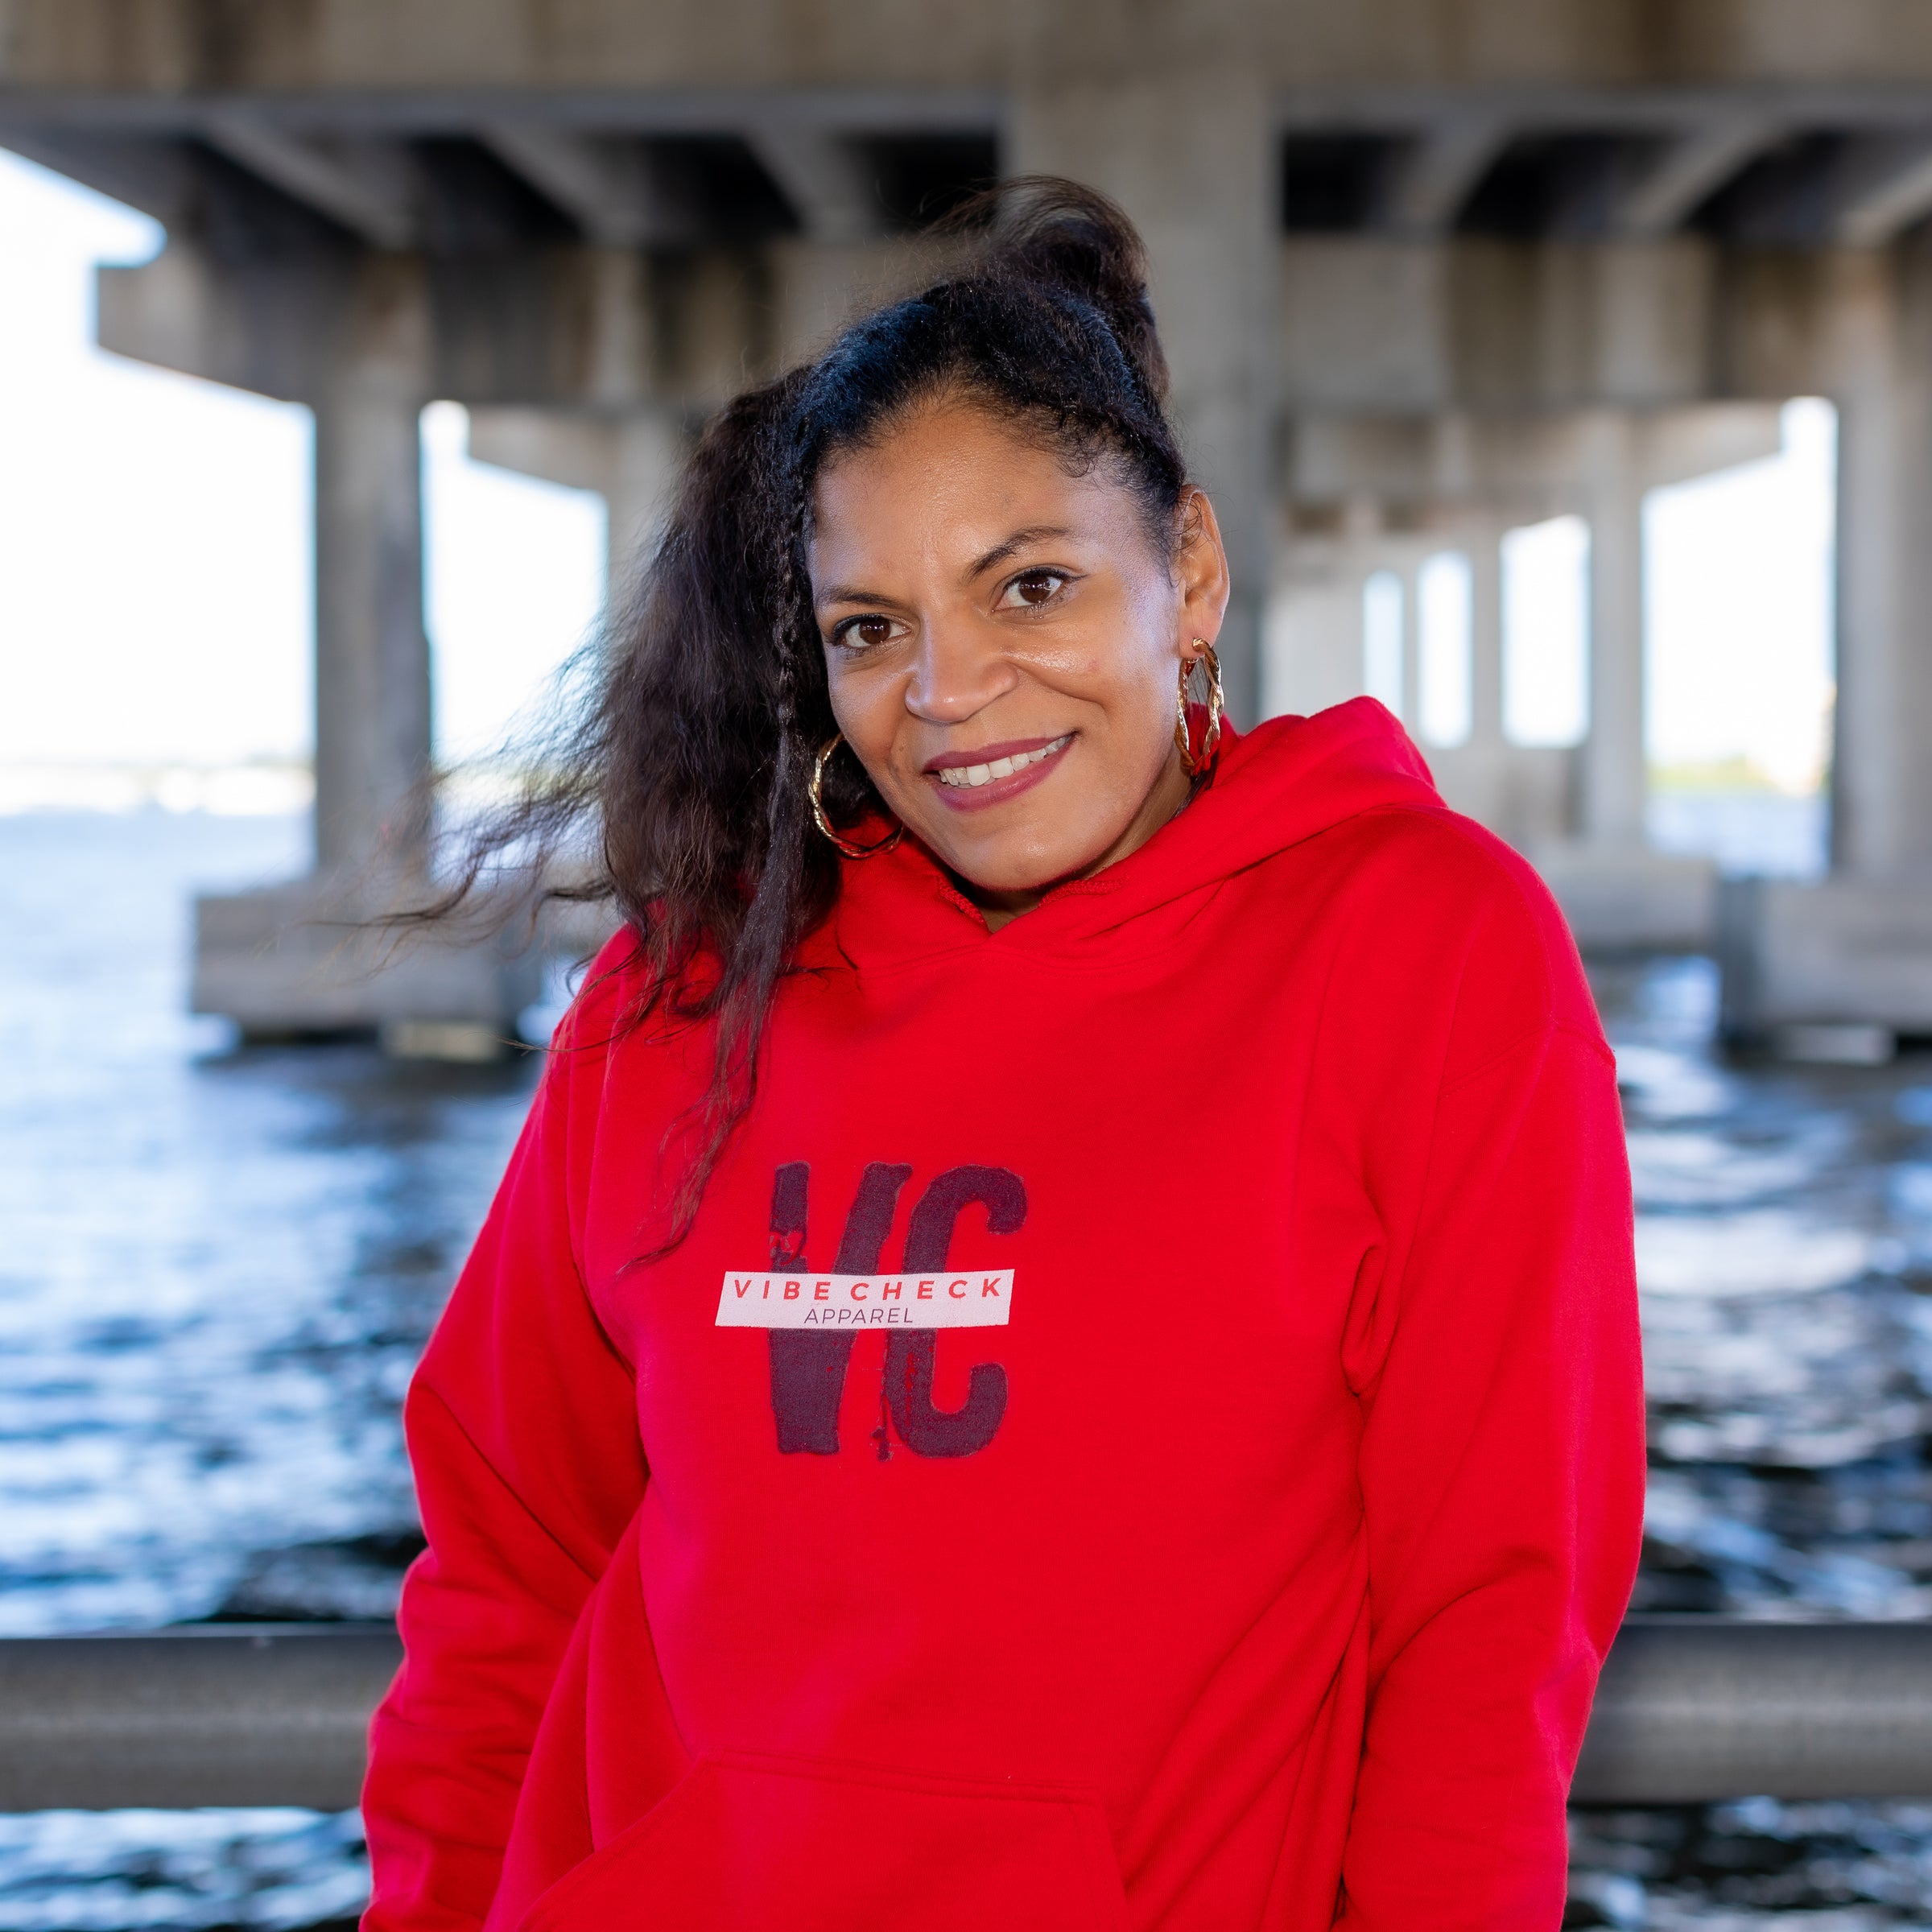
(785, 810)
(769, 917)
(756, 964)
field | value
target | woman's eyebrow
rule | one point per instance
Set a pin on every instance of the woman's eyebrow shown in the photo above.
(1034, 533)
(849, 593)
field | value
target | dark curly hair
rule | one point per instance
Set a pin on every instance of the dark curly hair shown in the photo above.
(688, 769)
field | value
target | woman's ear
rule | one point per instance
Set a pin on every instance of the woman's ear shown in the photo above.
(1200, 568)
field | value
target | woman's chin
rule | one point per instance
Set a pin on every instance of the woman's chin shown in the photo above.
(1010, 873)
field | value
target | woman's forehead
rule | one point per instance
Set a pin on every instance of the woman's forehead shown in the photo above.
(959, 479)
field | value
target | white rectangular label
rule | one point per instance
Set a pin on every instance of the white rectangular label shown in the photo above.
(979, 1298)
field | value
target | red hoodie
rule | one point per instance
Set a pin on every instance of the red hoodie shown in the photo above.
(1145, 1430)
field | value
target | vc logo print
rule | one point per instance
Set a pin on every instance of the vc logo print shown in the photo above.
(810, 1319)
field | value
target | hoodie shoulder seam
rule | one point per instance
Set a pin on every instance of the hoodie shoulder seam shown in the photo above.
(1548, 1031)
(1539, 1033)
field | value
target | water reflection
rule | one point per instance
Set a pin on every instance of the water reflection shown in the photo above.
(218, 1266)
(1788, 1339)
(106, 1871)
(1753, 1867)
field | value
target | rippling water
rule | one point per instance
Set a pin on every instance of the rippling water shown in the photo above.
(1785, 1251)
(217, 1267)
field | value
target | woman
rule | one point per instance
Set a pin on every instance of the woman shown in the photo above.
(1058, 1349)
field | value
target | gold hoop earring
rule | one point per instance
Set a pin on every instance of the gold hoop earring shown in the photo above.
(1192, 762)
(813, 792)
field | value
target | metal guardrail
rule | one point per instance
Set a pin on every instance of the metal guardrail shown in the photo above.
(1693, 1708)
(204, 1714)
(1690, 1709)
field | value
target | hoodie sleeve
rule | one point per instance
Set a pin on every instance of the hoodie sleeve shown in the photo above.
(1502, 1475)
(522, 1433)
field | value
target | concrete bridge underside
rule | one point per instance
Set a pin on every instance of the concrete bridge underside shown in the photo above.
(1426, 268)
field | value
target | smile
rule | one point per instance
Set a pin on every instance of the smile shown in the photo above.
(970, 778)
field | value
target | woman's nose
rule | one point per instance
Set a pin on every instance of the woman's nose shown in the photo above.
(960, 670)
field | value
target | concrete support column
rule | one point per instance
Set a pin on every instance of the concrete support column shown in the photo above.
(1612, 778)
(1475, 775)
(372, 686)
(648, 450)
(1190, 156)
(1881, 796)
(292, 959)
(1412, 647)
(1485, 759)
(1483, 541)
(1844, 967)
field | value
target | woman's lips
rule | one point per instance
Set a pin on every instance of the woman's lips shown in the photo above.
(972, 781)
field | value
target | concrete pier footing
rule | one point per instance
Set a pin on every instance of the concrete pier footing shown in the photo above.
(1835, 970)
(312, 958)
(1628, 898)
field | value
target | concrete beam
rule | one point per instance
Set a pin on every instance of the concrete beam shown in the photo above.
(268, 332)
(1675, 445)
(1520, 464)
(1689, 167)
(824, 177)
(150, 172)
(1888, 187)
(1376, 324)
(451, 107)
(607, 186)
(1342, 328)
(1429, 184)
(1339, 45)
(367, 191)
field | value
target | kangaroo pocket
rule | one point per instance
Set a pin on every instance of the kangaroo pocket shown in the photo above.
(747, 1842)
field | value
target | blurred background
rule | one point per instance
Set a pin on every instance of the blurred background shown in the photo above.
(1562, 370)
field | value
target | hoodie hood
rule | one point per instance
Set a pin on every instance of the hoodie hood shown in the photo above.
(1287, 780)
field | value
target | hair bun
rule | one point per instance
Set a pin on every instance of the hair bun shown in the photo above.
(1043, 229)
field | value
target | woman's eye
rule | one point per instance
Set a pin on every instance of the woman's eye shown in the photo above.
(863, 633)
(1036, 588)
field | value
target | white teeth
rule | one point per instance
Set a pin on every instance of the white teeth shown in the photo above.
(970, 776)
